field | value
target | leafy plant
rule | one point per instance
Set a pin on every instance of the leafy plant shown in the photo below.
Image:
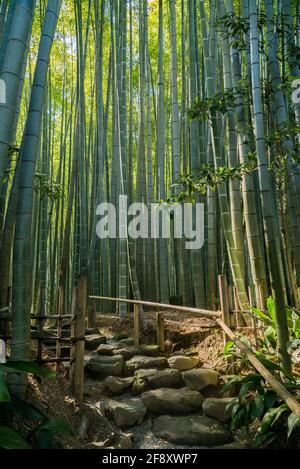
(257, 403)
(42, 435)
(268, 318)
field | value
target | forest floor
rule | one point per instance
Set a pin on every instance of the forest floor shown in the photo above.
(188, 332)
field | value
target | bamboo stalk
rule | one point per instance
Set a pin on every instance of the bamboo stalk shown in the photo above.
(160, 332)
(136, 328)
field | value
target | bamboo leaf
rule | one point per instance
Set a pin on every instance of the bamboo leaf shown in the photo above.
(293, 422)
(10, 439)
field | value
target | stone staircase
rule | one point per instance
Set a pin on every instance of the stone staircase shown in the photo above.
(132, 385)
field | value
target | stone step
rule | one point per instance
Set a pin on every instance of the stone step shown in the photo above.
(192, 430)
(200, 378)
(142, 362)
(129, 351)
(183, 363)
(172, 401)
(99, 366)
(218, 408)
(117, 386)
(155, 379)
(126, 413)
(93, 341)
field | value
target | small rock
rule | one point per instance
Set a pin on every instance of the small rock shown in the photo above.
(93, 341)
(105, 349)
(217, 408)
(101, 365)
(191, 430)
(127, 413)
(182, 363)
(124, 443)
(173, 401)
(114, 441)
(149, 350)
(117, 386)
(127, 352)
(139, 386)
(141, 361)
(200, 378)
(154, 379)
(126, 342)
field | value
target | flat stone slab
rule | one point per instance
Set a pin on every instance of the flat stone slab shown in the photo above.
(126, 342)
(182, 362)
(116, 385)
(191, 430)
(149, 350)
(127, 413)
(155, 379)
(127, 352)
(142, 362)
(106, 349)
(217, 408)
(200, 378)
(93, 341)
(102, 365)
(172, 401)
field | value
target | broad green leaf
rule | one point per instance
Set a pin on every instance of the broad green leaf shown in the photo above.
(26, 367)
(270, 399)
(252, 377)
(264, 439)
(246, 342)
(271, 309)
(229, 345)
(233, 381)
(43, 440)
(271, 417)
(27, 410)
(293, 422)
(269, 364)
(258, 406)
(10, 439)
(238, 417)
(262, 316)
(59, 427)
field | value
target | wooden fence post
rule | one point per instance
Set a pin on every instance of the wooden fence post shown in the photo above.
(136, 325)
(78, 376)
(224, 303)
(160, 331)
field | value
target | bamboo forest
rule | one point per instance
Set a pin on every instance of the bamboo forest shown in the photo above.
(149, 226)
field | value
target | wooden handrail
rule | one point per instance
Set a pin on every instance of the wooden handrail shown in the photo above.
(201, 312)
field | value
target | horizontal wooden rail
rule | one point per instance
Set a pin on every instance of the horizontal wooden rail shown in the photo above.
(185, 309)
(276, 385)
(55, 316)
